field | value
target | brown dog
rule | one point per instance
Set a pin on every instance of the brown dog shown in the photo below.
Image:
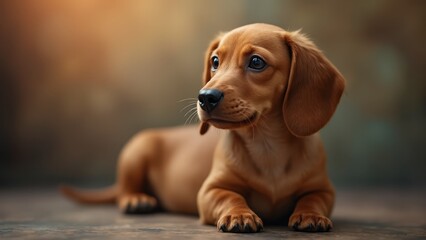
(268, 91)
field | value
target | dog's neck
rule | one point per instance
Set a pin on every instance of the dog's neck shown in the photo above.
(269, 145)
(269, 139)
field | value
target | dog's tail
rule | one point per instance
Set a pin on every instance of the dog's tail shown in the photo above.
(105, 195)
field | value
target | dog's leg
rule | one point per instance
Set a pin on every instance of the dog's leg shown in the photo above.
(131, 197)
(132, 176)
(228, 210)
(312, 209)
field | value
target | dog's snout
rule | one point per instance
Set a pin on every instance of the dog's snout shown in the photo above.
(209, 99)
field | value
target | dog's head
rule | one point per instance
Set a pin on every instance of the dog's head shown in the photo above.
(259, 70)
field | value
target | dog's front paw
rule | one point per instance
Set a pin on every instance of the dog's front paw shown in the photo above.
(246, 222)
(309, 222)
(137, 203)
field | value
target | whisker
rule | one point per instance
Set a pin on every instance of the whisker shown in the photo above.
(190, 111)
(188, 119)
(194, 117)
(187, 99)
(187, 106)
(191, 117)
(193, 102)
(188, 115)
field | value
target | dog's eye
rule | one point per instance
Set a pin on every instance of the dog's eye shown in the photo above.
(257, 63)
(215, 63)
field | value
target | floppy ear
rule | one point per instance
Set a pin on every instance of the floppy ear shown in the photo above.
(204, 127)
(314, 87)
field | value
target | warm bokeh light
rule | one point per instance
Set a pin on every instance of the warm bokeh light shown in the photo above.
(79, 78)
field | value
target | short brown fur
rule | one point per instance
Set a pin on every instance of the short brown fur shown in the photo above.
(267, 162)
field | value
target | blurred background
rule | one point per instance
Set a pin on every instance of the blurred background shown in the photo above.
(79, 78)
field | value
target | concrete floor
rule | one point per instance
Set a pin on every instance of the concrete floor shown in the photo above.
(359, 214)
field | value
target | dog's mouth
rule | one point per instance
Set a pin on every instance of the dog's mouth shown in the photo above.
(229, 124)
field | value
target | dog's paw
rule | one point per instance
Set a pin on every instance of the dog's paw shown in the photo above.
(137, 203)
(309, 222)
(246, 222)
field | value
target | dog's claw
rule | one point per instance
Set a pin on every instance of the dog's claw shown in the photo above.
(222, 228)
(247, 229)
(308, 222)
(260, 227)
(235, 228)
(137, 203)
(240, 223)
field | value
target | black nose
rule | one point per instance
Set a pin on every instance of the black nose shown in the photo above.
(209, 99)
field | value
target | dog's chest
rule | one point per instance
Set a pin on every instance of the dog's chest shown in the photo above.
(271, 165)
(274, 184)
(269, 209)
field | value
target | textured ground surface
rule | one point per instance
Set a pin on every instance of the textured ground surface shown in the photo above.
(359, 214)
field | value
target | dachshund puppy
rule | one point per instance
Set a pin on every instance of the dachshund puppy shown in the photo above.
(272, 90)
(268, 92)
